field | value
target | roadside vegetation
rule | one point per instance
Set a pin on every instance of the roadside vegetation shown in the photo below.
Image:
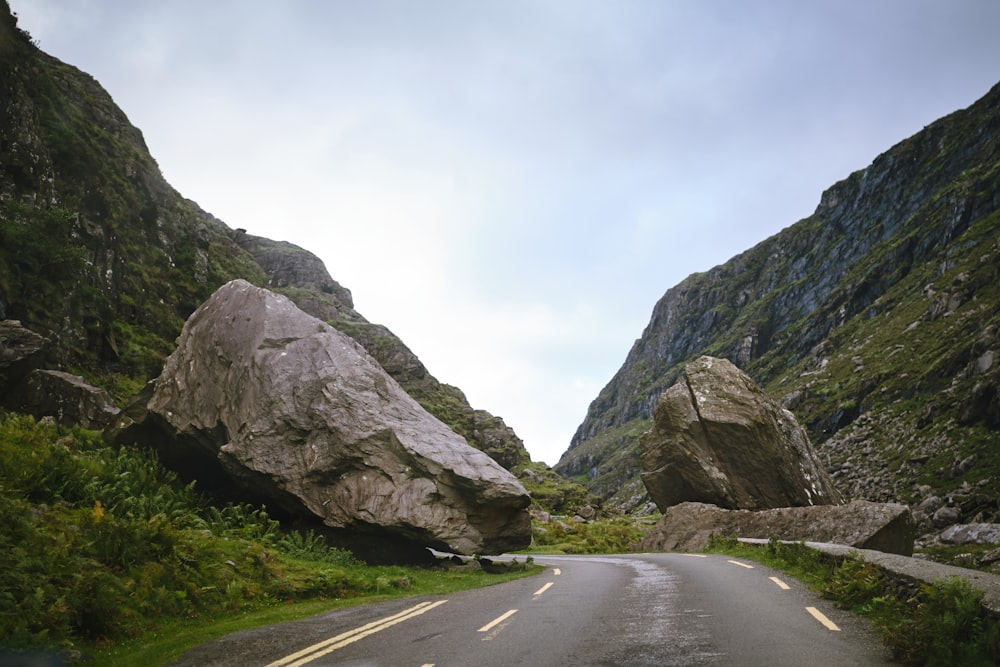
(107, 558)
(550, 492)
(933, 624)
(613, 535)
(982, 557)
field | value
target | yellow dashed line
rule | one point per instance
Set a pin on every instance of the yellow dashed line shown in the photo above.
(330, 645)
(782, 585)
(498, 620)
(543, 589)
(818, 615)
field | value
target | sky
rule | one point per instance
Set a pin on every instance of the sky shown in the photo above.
(510, 186)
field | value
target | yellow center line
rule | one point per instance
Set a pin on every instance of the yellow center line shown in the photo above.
(818, 615)
(498, 620)
(736, 562)
(543, 589)
(782, 585)
(330, 645)
(557, 571)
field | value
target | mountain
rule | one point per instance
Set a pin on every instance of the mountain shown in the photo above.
(876, 320)
(103, 257)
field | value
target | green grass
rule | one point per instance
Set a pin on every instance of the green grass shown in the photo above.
(103, 551)
(932, 624)
(177, 636)
(605, 536)
(552, 493)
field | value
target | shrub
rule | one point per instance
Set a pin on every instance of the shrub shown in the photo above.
(310, 545)
(946, 627)
(596, 537)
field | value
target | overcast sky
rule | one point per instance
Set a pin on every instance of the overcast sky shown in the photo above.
(510, 186)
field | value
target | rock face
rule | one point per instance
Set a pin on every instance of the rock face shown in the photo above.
(884, 527)
(21, 351)
(717, 438)
(301, 417)
(66, 397)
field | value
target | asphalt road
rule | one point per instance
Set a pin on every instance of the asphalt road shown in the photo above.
(629, 610)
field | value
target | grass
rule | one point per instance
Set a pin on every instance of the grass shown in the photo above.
(932, 624)
(174, 638)
(103, 552)
(605, 536)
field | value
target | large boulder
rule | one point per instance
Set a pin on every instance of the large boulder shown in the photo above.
(68, 398)
(299, 416)
(886, 527)
(718, 438)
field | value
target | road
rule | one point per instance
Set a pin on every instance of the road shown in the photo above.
(632, 610)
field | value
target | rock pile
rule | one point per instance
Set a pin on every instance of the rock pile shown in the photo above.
(28, 388)
(65, 397)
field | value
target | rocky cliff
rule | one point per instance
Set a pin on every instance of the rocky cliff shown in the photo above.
(876, 321)
(99, 254)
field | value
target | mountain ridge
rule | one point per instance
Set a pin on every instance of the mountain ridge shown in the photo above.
(106, 259)
(769, 308)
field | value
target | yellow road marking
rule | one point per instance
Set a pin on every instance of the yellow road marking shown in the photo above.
(543, 589)
(736, 562)
(818, 615)
(330, 645)
(498, 620)
(557, 571)
(782, 585)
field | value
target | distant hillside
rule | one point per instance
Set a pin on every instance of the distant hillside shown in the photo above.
(102, 256)
(876, 321)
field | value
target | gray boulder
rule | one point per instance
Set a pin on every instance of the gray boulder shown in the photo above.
(67, 398)
(718, 438)
(295, 414)
(886, 527)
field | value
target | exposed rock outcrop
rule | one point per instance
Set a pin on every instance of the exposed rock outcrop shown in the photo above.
(68, 398)
(21, 351)
(287, 266)
(301, 417)
(884, 527)
(718, 438)
(971, 533)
